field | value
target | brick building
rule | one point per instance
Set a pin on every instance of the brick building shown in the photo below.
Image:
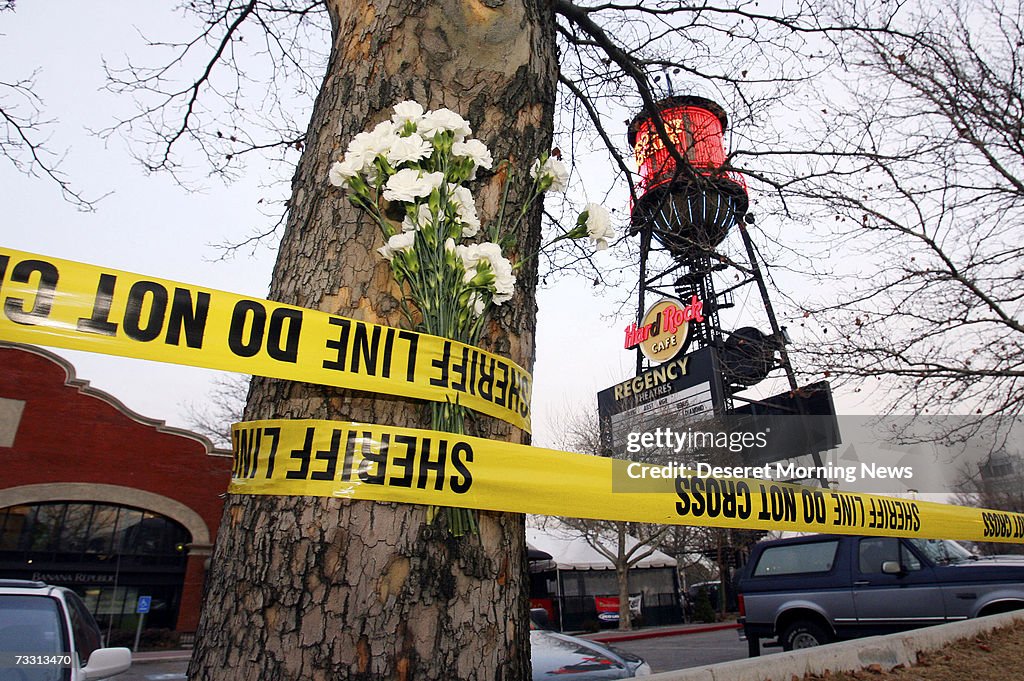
(100, 499)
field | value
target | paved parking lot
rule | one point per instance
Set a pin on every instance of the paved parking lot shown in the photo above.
(663, 654)
(690, 650)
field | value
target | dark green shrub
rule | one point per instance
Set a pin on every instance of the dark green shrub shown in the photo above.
(702, 610)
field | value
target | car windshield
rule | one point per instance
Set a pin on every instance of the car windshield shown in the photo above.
(942, 551)
(32, 625)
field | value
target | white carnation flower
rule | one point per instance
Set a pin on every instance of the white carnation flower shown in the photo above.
(476, 150)
(599, 226)
(477, 301)
(470, 226)
(461, 197)
(504, 287)
(552, 172)
(423, 218)
(469, 258)
(367, 146)
(410, 184)
(408, 150)
(504, 282)
(403, 241)
(442, 120)
(342, 171)
(384, 129)
(406, 111)
(465, 206)
(435, 180)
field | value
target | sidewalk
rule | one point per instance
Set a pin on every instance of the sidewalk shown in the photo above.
(877, 655)
(161, 655)
(614, 636)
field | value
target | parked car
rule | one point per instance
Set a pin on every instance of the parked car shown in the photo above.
(811, 590)
(554, 655)
(47, 634)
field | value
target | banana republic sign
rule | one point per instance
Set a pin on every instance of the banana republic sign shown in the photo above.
(665, 329)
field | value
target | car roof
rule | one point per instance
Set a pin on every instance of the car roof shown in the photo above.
(28, 587)
(22, 583)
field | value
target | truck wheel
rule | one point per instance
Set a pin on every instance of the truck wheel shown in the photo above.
(803, 634)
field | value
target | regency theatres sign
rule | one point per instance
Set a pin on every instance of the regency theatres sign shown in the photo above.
(665, 329)
(678, 393)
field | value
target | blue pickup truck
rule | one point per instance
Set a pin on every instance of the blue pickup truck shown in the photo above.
(807, 591)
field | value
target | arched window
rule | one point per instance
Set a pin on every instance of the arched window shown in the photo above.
(109, 554)
(88, 532)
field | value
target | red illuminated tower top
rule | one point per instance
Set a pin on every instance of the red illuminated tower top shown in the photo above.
(692, 209)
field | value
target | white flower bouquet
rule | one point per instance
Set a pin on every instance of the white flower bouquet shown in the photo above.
(410, 174)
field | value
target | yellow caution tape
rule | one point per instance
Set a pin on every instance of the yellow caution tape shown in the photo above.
(383, 463)
(71, 305)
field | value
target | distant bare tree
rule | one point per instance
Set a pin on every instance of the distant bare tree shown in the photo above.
(997, 482)
(624, 544)
(25, 131)
(222, 407)
(680, 543)
(921, 176)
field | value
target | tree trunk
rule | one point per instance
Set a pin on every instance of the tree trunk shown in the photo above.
(317, 588)
(625, 616)
(622, 575)
(723, 571)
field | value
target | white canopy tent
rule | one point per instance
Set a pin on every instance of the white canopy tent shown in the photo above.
(570, 551)
(581, 572)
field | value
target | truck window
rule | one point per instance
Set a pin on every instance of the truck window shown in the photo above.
(942, 551)
(874, 551)
(794, 559)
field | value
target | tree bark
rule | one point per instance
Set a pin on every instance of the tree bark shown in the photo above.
(317, 588)
(622, 579)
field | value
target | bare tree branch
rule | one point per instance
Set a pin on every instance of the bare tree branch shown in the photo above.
(24, 136)
(221, 111)
(221, 408)
(925, 183)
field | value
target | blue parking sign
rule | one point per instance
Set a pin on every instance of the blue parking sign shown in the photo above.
(143, 606)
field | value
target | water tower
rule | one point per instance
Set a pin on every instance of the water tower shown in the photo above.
(689, 207)
(686, 203)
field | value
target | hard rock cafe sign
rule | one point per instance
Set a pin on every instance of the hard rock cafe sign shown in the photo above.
(665, 329)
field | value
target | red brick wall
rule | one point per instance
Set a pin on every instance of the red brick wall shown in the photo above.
(67, 434)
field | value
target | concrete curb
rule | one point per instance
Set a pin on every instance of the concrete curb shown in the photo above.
(887, 651)
(658, 633)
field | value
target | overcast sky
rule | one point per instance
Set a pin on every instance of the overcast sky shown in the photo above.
(149, 224)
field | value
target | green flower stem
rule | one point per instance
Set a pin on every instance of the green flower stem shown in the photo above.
(438, 300)
(574, 233)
